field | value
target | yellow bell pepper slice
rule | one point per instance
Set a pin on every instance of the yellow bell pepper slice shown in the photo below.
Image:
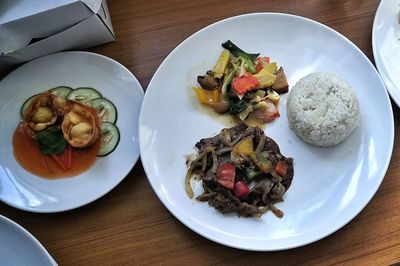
(265, 78)
(271, 67)
(243, 147)
(207, 97)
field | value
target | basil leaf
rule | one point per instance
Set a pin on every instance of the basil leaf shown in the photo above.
(237, 107)
(51, 141)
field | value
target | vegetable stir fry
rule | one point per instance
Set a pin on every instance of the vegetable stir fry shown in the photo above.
(245, 85)
(241, 171)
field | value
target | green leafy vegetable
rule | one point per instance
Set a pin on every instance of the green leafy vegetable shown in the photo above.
(247, 173)
(238, 107)
(251, 174)
(51, 141)
(241, 55)
(228, 81)
(263, 163)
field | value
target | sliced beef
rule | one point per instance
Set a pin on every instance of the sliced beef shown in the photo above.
(265, 187)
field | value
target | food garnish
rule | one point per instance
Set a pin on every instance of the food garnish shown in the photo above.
(241, 171)
(245, 85)
(62, 130)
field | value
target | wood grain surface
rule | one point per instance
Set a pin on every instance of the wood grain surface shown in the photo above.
(130, 226)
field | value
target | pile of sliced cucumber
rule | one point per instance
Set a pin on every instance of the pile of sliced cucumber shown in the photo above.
(106, 111)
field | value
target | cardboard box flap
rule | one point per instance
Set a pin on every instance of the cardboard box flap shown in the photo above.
(62, 41)
(23, 22)
(93, 5)
(104, 15)
(28, 31)
(11, 10)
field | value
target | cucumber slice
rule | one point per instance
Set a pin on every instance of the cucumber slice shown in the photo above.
(27, 103)
(106, 110)
(83, 95)
(109, 138)
(61, 91)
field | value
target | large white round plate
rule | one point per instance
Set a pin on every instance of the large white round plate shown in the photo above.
(28, 192)
(19, 247)
(331, 185)
(386, 45)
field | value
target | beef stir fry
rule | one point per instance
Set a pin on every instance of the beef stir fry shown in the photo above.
(241, 171)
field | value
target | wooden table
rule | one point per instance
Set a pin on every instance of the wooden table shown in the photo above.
(130, 225)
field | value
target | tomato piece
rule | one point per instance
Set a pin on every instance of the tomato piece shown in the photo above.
(261, 62)
(281, 168)
(244, 83)
(226, 174)
(241, 189)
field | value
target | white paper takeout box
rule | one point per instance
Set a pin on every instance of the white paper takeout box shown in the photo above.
(30, 29)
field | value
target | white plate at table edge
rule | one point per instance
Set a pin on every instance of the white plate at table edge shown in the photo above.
(74, 69)
(386, 17)
(32, 243)
(147, 136)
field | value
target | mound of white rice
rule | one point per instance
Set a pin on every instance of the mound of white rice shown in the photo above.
(323, 109)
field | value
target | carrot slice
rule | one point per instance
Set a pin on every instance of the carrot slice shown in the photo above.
(59, 162)
(69, 157)
(45, 163)
(65, 156)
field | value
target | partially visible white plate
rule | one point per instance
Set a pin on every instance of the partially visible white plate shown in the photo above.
(19, 247)
(386, 45)
(25, 191)
(330, 186)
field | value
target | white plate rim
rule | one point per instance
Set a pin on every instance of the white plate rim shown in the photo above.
(34, 240)
(138, 88)
(391, 87)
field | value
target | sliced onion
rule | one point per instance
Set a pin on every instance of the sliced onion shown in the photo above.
(188, 187)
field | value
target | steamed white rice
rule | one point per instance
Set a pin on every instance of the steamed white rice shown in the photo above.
(323, 109)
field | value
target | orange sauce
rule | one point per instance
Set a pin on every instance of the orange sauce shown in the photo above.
(27, 153)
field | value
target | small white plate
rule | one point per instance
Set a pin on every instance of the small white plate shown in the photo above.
(25, 191)
(19, 247)
(386, 45)
(330, 186)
